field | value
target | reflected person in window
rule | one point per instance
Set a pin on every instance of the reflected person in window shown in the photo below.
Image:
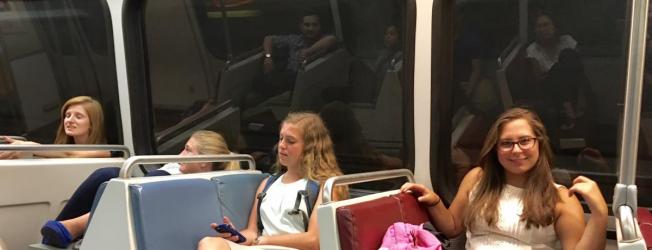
(390, 57)
(82, 122)
(301, 48)
(559, 72)
(510, 199)
(72, 221)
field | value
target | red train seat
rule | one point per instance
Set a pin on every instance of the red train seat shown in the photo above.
(645, 223)
(361, 226)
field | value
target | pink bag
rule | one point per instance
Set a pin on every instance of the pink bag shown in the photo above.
(405, 236)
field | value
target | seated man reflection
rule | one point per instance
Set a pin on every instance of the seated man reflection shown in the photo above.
(300, 48)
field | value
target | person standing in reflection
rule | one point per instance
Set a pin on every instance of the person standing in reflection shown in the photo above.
(82, 122)
(300, 48)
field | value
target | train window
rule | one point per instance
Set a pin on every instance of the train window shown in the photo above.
(568, 67)
(50, 55)
(266, 59)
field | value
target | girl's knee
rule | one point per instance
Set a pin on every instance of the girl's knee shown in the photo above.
(212, 243)
(105, 174)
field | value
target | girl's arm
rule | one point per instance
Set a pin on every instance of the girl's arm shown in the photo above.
(569, 225)
(449, 221)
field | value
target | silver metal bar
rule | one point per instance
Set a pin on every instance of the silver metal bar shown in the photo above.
(66, 147)
(633, 91)
(132, 162)
(627, 224)
(362, 177)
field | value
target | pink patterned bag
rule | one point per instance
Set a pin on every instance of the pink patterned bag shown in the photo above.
(405, 236)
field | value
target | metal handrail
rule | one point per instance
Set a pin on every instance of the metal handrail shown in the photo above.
(129, 164)
(627, 224)
(362, 177)
(66, 147)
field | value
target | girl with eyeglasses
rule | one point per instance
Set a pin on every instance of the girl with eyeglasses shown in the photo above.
(510, 200)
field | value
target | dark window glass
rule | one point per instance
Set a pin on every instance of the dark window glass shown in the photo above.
(209, 69)
(569, 66)
(52, 51)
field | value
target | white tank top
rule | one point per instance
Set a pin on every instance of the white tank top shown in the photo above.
(510, 232)
(276, 204)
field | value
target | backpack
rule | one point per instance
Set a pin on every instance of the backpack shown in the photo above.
(309, 195)
(405, 236)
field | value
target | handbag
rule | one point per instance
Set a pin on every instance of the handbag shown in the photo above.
(405, 236)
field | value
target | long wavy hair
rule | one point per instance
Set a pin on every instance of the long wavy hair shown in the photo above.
(539, 195)
(93, 108)
(319, 162)
(212, 143)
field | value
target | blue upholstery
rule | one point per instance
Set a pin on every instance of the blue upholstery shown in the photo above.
(96, 200)
(173, 214)
(236, 195)
(176, 213)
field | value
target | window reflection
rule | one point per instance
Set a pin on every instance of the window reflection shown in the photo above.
(266, 59)
(53, 50)
(571, 70)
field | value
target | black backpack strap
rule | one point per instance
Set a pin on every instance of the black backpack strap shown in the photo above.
(312, 187)
(297, 210)
(261, 195)
(309, 194)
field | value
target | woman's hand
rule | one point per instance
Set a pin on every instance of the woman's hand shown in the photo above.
(226, 236)
(425, 195)
(591, 193)
(14, 154)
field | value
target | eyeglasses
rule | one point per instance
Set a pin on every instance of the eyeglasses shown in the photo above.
(523, 143)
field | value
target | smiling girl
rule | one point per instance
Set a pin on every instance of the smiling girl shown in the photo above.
(510, 200)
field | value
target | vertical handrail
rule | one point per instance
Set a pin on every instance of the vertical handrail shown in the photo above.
(634, 87)
(625, 192)
(627, 224)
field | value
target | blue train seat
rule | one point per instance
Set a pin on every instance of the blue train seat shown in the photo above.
(169, 212)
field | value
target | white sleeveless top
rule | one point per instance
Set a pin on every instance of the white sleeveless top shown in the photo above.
(510, 232)
(276, 204)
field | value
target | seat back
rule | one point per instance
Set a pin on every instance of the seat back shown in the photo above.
(179, 210)
(237, 79)
(236, 194)
(363, 225)
(331, 70)
(169, 212)
(360, 223)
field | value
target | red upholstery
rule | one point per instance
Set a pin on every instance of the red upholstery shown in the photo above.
(362, 226)
(645, 223)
